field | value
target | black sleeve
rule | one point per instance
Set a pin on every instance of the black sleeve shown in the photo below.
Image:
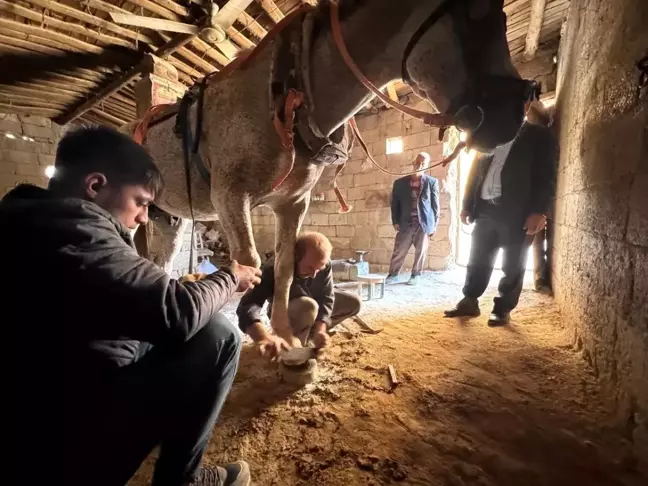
(434, 200)
(249, 309)
(395, 205)
(138, 300)
(544, 172)
(325, 297)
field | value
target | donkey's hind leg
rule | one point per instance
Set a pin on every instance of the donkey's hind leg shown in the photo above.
(160, 240)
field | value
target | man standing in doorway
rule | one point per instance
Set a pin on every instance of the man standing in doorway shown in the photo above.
(415, 215)
(508, 195)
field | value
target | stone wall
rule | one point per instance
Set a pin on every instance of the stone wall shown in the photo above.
(368, 226)
(601, 232)
(27, 147)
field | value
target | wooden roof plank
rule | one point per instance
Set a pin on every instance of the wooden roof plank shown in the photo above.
(92, 19)
(60, 24)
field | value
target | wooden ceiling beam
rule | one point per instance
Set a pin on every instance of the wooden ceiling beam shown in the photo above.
(92, 20)
(270, 7)
(120, 81)
(43, 19)
(535, 26)
(79, 46)
(251, 25)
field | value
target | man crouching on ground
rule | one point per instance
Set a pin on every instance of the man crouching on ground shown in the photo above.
(109, 357)
(314, 306)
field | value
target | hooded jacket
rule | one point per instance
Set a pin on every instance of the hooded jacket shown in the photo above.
(79, 300)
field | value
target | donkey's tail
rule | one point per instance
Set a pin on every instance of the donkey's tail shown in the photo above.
(16, 68)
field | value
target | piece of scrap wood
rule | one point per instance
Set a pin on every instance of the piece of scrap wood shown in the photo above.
(392, 377)
(366, 327)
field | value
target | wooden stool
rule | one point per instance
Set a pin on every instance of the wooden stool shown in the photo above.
(372, 281)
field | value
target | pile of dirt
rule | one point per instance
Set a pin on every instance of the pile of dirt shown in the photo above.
(475, 406)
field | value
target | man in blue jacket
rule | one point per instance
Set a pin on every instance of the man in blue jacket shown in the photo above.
(108, 356)
(415, 215)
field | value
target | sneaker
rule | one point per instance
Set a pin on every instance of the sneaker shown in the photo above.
(466, 307)
(391, 279)
(414, 280)
(235, 474)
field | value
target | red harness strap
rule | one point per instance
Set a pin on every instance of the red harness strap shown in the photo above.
(144, 123)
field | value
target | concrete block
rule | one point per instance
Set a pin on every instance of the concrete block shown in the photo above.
(392, 130)
(35, 131)
(361, 240)
(345, 231)
(6, 168)
(40, 121)
(356, 193)
(377, 199)
(341, 243)
(417, 141)
(357, 218)
(439, 248)
(319, 219)
(345, 181)
(437, 263)
(390, 116)
(29, 170)
(367, 122)
(338, 220)
(386, 243)
(20, 157)
(372, 135)
(10, 126)
(327, 230)
(386, 231)
(379, 216)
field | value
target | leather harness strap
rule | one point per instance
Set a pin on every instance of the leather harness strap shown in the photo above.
(432, 119)
(284, 129)
(144, 123)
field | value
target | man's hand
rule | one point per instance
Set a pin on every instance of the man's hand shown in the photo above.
(320, 336)
(535, 223)
(247, 277)
(397, 227)
(432, 234)
(465, 217)
(271, 345)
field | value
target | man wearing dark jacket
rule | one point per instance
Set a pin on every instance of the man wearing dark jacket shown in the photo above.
(314, 305)
(415, 215)
(109, 356)
(508, 195)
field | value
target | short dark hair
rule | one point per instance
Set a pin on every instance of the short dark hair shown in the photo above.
(89, 149)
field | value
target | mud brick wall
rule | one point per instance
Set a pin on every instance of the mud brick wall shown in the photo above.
(601, 242)
(26, 151)
(368, 226)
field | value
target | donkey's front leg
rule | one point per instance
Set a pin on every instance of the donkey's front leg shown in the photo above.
(289, 218)
(234, 216)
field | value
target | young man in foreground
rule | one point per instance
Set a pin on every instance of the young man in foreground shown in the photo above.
(109, 356)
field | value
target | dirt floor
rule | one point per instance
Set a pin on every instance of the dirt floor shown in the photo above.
(476, 406)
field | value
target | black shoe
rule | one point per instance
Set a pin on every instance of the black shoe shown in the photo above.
(235, 474)
(466, 307)
(498, 318)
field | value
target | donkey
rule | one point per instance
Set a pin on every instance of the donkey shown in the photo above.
(453, 53)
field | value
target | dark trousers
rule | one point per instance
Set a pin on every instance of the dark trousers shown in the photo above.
(492, 231)
(171, 397)
(405, 238)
